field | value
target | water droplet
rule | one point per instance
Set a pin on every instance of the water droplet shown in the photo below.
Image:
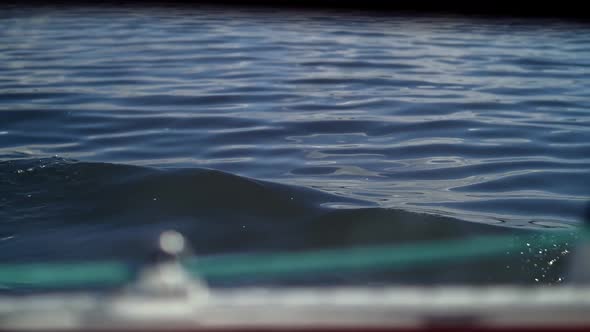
(537, 280)
(528, 244)
(172, 242)
(19, 171)
(154, 199)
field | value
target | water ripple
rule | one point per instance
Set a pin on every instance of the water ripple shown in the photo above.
(480, 119)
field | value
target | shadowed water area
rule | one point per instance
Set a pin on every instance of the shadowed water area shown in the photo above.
(254, 130)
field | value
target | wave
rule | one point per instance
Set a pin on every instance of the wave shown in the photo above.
(58, 209)
(56, 194)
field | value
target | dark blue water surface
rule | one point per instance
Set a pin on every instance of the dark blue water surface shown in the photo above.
(263, 130)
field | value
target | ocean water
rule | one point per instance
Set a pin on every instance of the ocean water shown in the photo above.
(260, 130)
